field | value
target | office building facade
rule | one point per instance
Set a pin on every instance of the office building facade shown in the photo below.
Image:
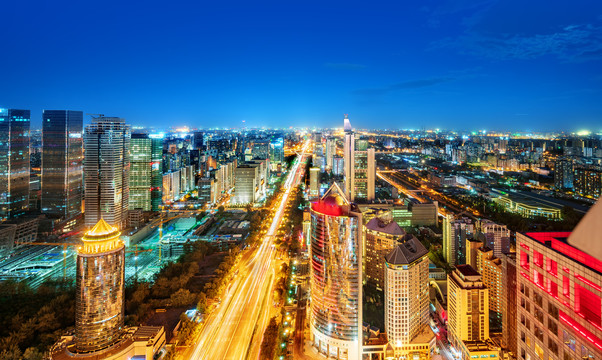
(277, 154)
(490, 268)
(106, 171)
(407, 301)
(497, 237)
(588, 182)
(381, 235)
(468, 314)
(455, 235)
(100, 289)
(14, 162)
(509, 305)
(563, 173)
(560, 291)
(62, 163)
(335, 315)
(146, 178)
(360, 167)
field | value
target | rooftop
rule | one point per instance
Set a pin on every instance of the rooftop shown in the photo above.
(407, 252)
(467, 270)
(390, 228)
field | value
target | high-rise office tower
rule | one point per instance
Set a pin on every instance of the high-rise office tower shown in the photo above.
(331, 151)
(314, 182)
(559, 292)
(336, 276)
(455, 235)
(277, 153)
(146, 178)
(588, 181)
(100, 292)
(106, 171)
(62, 163)
(360, 168)
(509, 305)
(198, 141)
(381, 236)
(563, 173)
(497, 237)
(490, 267)
(261, 149)
(14, 162)
(468, 313)
(156, 171)
(407, 301)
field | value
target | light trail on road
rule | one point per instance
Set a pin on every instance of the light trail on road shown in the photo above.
(235, 328)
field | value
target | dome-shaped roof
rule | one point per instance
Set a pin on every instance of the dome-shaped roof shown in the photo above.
(391, 228)
(101, 231)
(101, 238)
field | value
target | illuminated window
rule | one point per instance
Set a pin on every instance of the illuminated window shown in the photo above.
(552, 288)
(524, 260)
(587, 304)
(537, 258)
(566, 286)
(552, 267)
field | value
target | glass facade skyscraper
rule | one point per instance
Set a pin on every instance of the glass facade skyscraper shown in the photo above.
(14, 162)
(336, 276)
(360, 167)
(62, 163)
(145, 172)
(99, 302)
(106, 171)
(276, 153)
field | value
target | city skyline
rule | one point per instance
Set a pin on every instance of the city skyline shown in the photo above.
(483, 64)
(301, 180)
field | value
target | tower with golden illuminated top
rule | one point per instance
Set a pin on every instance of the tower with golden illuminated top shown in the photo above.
(100, 291)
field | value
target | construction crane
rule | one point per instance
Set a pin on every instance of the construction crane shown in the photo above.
(136, 252)
(97, 115)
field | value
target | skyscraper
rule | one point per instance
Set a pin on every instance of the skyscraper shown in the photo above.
(381, 236)
(336, 276)
(509, 308)
(468, 311)
(99, 302)
(497, 237)
(407, 301)
(360, 168)
(14, 162)
(62, 163)
(331, 151)
(455, 234)
(314, 182)
(277, 153)
(563, 174)
(588, 181)
(146, 178)
(198, 141)
(559, 292)
(106, 170)
(490, 267)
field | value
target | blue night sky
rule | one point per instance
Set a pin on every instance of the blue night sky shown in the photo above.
(461, 64)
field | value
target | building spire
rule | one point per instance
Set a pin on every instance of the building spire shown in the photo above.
(347, 124)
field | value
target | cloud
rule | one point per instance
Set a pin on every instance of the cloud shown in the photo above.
(574, 43)
(411, 84)
(345, 66)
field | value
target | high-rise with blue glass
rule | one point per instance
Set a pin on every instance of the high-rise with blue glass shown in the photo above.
(62, 163)
(14, 162)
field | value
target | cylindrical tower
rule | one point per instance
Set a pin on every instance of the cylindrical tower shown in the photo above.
(336, 276)
(100, 296)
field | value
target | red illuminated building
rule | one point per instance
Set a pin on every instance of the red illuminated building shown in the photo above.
(559, 291)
